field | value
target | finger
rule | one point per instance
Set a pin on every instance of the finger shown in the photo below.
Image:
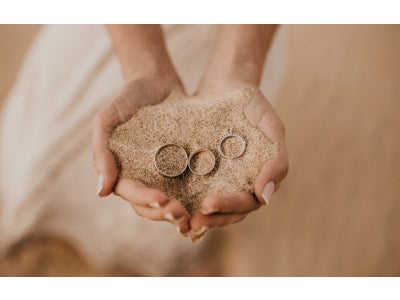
(143, 198)
(103, 159)
(268, 180)
(229, 203)
(275, 169)
(172, 212)
(138, 193)
(200, 223)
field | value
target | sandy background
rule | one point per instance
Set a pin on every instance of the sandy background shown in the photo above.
(338, 212)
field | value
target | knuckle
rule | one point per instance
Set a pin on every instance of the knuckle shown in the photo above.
(278, 126)
(137, 211)
(154, 196)
(284, 167)
(101, 158)
(198, 221)
(194, 225)
(175, 208)
(175, 205)
(212, 203)
(98, 120)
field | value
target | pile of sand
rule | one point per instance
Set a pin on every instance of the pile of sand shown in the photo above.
(192, 122)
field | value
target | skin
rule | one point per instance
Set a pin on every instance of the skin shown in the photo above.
(237, 61)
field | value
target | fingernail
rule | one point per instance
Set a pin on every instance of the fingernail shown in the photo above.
(178, 229)
(100, 184)
(168, 216)
(198, 240)
(155, 205)
(201, 230)
(267, 191)
(207, 211)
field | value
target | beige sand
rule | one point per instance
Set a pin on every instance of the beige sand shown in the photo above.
(192, 122)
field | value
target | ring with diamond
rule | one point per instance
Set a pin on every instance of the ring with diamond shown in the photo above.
(231, 134)
(206, 170)
(170, 160)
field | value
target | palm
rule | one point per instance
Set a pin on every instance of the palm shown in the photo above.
(224, 209)
(147, 202)
(262, 115)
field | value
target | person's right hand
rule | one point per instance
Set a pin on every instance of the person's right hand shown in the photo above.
(147, 202)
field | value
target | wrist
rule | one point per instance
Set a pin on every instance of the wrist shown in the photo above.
(232, 67)
(141, 51)
(156, 83)
(230, 76)
(145, 64)
(238, 56)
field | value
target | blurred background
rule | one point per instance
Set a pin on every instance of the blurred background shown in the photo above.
(338, 212)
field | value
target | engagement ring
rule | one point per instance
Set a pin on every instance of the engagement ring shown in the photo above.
(230, 134)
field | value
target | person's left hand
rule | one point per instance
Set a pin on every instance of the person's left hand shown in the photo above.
(228, 208)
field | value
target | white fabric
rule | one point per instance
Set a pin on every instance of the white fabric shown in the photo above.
(47, 181)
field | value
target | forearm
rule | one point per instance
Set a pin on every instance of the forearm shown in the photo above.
(238, 55)
(141, 51)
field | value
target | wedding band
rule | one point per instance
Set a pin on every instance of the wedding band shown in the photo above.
(227, 135)
(206, 171)
(168, 169)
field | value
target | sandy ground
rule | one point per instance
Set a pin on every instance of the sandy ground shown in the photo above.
(338, 212)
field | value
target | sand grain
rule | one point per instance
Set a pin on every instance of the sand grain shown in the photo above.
(192, 122)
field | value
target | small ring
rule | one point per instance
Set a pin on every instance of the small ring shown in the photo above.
(207, 170)
(229, 134)
(179, 171)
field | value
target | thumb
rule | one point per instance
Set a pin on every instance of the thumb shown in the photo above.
(271, 175)
(103, 159)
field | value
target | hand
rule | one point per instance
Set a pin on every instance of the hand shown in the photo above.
(228, 208)
(147, 202)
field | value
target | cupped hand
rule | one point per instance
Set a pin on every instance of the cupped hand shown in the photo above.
(147, 202)
(228, 208)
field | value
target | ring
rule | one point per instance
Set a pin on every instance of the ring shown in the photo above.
(170, 160)
(230, 134)
(205, 171)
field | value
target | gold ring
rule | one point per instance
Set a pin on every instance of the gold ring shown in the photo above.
(206, 171)
(165, 162)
